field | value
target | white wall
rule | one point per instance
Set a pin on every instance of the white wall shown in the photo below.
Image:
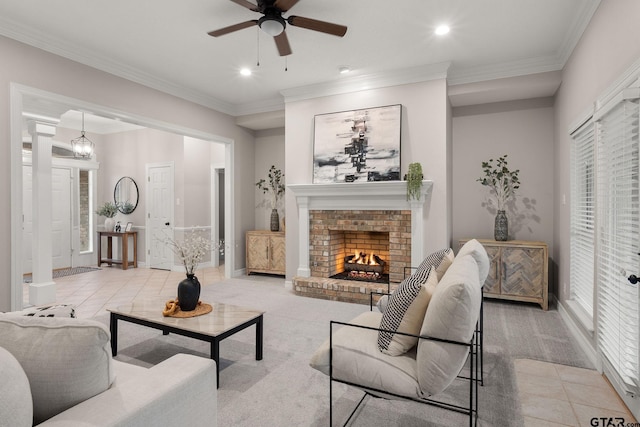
(524, 131)
(35, 68)
(425, 139)
(269, 151)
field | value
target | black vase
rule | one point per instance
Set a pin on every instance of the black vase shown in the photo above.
(501, 229)
(188, 293)
(275, 220)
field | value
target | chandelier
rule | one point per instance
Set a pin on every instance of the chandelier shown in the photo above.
(82, 146)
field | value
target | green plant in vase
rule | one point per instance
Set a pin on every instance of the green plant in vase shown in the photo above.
(414, 181)
(274, 184)
(503, 183)
(108, 210)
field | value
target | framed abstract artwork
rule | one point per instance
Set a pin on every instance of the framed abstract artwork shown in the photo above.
(357, 145)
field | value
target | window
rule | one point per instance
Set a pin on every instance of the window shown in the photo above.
(582, 218)
(618, 235)
(84, 211)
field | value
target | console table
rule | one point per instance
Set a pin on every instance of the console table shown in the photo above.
(519, 271)
(124, 236)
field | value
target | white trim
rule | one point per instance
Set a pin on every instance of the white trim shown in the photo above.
(421, 73)
(614, 100)
(581, 120)
(17, 92)
(579, 336)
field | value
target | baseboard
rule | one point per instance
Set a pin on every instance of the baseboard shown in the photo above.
(288, 284)
(240, 272)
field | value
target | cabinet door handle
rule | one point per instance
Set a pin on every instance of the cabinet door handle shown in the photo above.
(267, 252)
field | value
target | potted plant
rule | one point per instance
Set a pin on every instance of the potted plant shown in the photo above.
(414, 181)
(108, 210)
(274, 185)
(191, 250)
(503, 184)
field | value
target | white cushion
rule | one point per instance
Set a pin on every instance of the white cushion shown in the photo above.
(452, 315)
(478, 252)
(356, 359)
(66, 360)
(405, 313)
(16, 408)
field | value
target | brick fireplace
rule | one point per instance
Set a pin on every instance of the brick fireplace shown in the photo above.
(334, 234)
(334, 219)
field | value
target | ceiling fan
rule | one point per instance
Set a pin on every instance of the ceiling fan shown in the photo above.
(274, 24)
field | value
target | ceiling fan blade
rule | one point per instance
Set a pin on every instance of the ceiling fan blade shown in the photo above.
(232, 28)
(282, 43)
(285, 5)
(247, 4)
(314, 24)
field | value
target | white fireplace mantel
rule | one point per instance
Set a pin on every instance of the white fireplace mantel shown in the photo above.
(383, 195)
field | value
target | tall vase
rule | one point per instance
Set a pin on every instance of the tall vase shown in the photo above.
(275, 220)
(501, 229)
(188, 293)
(109, 223)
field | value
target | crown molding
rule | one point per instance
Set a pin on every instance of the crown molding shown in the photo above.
(358, 83)
(504, 70)
(577, 29)
(84, 56)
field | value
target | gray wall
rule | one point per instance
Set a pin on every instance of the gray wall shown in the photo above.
(524, 131)
(269, 151)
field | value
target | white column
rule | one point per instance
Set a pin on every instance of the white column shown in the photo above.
(42, 290)
(303, 237)
(417, 231)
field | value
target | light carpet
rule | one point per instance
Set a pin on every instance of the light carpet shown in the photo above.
(282, 390)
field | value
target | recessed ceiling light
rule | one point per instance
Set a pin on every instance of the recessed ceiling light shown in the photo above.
(344, 70)
(245, 72)
(442, 30)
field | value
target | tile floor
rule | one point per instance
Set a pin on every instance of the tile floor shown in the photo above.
(558, 395)
(551, 394)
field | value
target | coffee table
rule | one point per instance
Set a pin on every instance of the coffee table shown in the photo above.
(224, 321)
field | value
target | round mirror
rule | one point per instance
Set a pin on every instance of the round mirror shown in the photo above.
(125, 195)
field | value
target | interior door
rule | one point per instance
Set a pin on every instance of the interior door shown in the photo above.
(61, 218)
(160, 196)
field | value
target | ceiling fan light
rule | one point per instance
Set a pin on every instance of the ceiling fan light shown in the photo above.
(271, 26)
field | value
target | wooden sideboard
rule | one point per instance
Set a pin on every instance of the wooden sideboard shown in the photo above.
(266, 252)
(519, 271)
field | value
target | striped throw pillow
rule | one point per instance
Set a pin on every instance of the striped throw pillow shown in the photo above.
(405, 313)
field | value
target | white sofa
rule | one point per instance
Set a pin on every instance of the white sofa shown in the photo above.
(59, 372)
(444, 329)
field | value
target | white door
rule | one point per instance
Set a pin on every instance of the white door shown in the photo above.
(60, 216)
(160, 196)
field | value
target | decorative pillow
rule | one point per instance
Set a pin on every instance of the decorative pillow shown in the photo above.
(405, 313)
(66, 360)
(16, 408)
(478, 252)
(58, 310)
(441, 260)
(452, 315)
(383, 303)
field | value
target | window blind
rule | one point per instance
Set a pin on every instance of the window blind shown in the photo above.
(617, 243)
(582, 240)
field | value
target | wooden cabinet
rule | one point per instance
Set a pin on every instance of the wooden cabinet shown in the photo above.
(519, 271)
(266, 252)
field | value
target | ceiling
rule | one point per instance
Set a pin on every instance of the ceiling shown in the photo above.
(164, 44)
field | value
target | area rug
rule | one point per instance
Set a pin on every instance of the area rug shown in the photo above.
(283, 390)
(27, 278)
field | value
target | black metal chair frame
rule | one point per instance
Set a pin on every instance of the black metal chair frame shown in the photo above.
(471, 409)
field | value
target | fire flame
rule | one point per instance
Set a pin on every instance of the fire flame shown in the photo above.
(362, 258)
